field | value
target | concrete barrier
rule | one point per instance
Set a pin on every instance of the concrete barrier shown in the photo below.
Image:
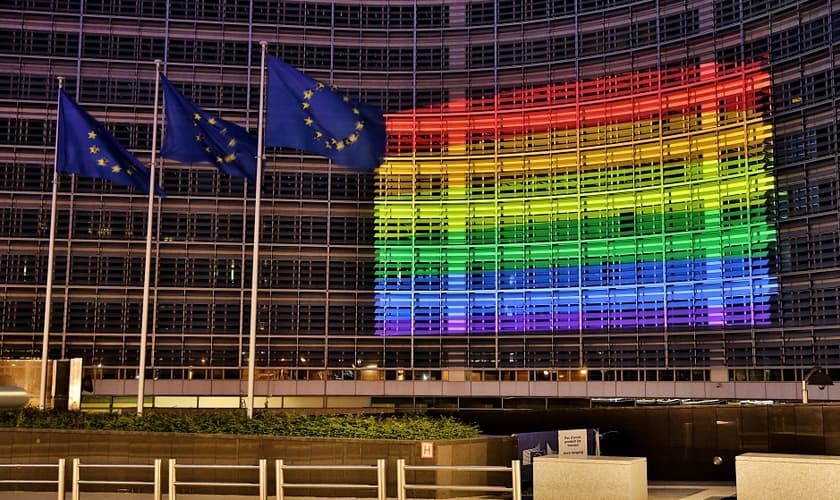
(770, 476)
(121, 447)
(590, 478)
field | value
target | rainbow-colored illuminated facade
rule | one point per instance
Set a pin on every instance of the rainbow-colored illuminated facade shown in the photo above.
(645, 189)
(557, 209)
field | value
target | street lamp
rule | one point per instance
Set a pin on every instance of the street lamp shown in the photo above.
(817, 377)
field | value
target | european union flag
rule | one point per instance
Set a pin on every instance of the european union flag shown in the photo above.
(194, 136)
(85, 147)
(310, 116)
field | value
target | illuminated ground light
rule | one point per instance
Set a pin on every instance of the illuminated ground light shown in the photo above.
(638, 200)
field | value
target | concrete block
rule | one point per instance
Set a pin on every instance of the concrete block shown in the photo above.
(590, 478)
(776, 476)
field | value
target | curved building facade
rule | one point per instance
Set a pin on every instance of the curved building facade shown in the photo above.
(592, 198)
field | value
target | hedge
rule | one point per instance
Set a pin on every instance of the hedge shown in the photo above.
(414, 427)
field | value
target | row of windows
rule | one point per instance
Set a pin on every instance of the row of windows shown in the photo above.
(219, 52)
(643, 79)
(565, 140)
(790, 147)
(562, 47)
(814, 88)
(809, 252)
(784, 45)
(481, 13)
(233, 96)
(795, 253)
(798, 147)
(808, 199)
(270, 12)
(47, 5)
(186, 226)
(668, 28)
(115, 319)
(208, 95)
(800, 307)
(807, 306)
(193, 370)
(25, 132)
(798, 40)
(781, 45)
(728, 12)
(387, 59)
(203, 182)
(181, 272)
(288, 352)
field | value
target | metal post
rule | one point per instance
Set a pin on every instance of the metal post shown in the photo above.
(75, 489)
(157, 492)
(255, 264)
(171, 479)
(147, 267)
(45, 346)
(60, 479)
(804, 392)
(517, 480)
(278, 476)
(400, 479)
(263, 479)
(381, 483)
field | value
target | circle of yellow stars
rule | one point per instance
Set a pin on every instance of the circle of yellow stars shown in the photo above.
(337, 143)
(103, 161)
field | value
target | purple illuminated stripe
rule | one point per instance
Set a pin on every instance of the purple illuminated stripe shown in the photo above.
(699, 316)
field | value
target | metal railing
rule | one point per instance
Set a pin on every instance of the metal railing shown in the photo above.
(78, 467)
(515, 489)
(59, 481)
(261, 484)
(282, 484)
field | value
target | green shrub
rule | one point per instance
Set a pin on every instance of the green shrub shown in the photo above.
(413, 427)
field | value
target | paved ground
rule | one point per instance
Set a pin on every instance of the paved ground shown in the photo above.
(656, 491)
(687, 491)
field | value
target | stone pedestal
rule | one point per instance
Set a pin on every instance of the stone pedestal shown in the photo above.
(590, 478)
(771, 476)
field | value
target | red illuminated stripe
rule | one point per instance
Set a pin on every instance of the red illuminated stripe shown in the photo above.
(452, 123)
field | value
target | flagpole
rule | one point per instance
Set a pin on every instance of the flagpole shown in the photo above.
(147, 271)
(255, 264)
(42, 395)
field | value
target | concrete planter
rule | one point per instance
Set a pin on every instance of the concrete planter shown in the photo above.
(122, 447)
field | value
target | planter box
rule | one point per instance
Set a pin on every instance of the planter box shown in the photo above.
(121, 447)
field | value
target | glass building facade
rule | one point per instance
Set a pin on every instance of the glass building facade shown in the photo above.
(579, 199)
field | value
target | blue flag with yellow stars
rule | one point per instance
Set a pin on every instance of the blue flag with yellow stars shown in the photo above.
(85, 147)
(310, 116)
(194, 136)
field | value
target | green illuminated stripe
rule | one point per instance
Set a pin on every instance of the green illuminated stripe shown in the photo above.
(743, 240)
(573, 229)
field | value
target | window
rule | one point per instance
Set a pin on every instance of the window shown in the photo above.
(45, 43)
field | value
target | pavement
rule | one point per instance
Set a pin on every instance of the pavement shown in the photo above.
(656, 491)
(690, 491)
